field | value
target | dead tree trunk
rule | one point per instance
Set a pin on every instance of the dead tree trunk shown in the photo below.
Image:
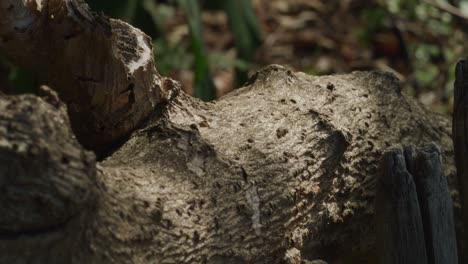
(414, 208)
(460, 136)
(282, 170)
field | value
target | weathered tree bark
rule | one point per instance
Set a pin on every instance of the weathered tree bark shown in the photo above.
(460, 136)
(435, 204)
(281, 170)
(414, 208)
(399, 221)
(102, 68)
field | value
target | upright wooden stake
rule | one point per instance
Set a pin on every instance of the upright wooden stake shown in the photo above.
(399, 221)
(436, 206)
(414, 208)
(460, 134)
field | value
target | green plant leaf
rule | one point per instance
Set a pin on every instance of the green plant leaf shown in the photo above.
(159, 14)
(204, 87)
(224, 61)
(170, 56)
(131, 10)
(245, 29)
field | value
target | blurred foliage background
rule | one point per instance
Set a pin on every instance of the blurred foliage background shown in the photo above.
(211, 45)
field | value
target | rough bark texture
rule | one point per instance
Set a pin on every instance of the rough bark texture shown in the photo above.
(47, 181)
(286, 163)
(282, 170)
(102, 68)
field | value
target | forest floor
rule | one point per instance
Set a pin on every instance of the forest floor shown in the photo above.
(419, 41)
(328, 37)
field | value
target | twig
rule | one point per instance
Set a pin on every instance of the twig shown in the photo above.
(447, 8)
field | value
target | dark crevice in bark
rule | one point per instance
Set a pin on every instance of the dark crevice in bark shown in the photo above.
(38, 233)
